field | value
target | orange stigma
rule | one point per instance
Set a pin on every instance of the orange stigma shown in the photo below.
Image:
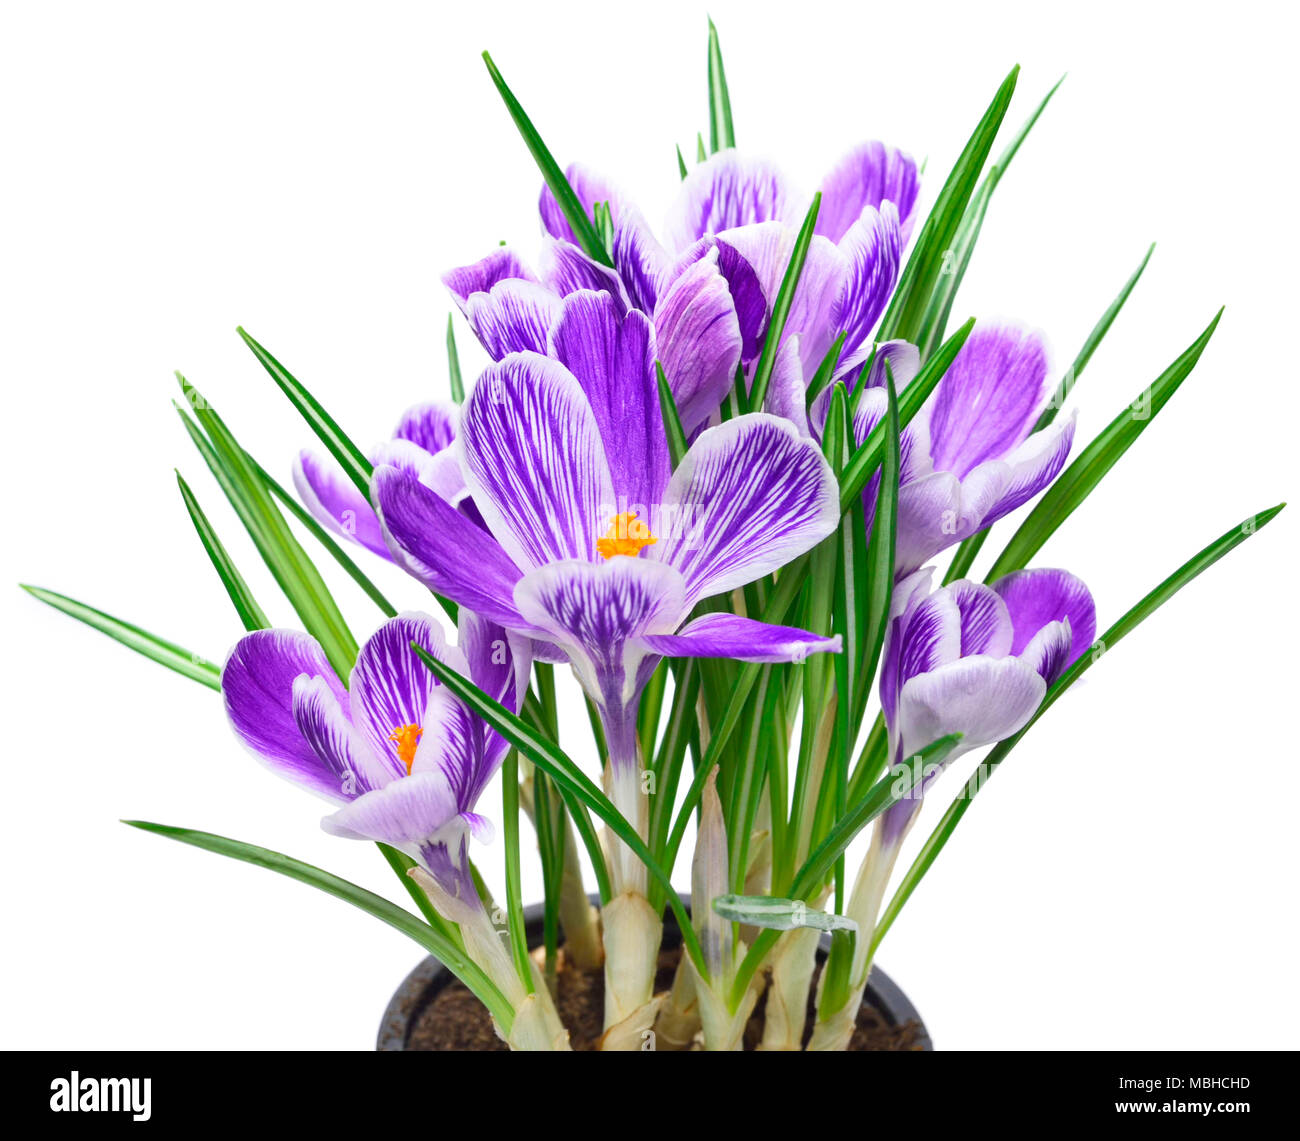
(407, 737)
(626, 536)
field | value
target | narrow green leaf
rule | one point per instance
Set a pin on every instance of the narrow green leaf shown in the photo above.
(672, 422)
(935, 242)
(402, 864)
(326, 540)
(156, 649)
(1095, 338)
(721, 132)
(566, 775)
(864, 462)
(514, 884)
(569, 202)
(245, 604)
(681, 164)
(781, 306)
(1131, 619)
(1075, 484)
(383, 909)
(701, 155)
(881, 547)
(453, 364)
(826, 370)
(352, 458)
(293, 571)
(969, 548)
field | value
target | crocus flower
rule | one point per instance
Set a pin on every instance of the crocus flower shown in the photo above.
(591, 541)
(403, 759)
(710, 291)
(976, 660)
(419, 445)
(970, 455)
(968, 659)
(511, 309)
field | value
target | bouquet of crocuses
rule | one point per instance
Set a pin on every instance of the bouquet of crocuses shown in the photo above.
(708, 469)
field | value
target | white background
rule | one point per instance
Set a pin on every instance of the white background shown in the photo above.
(309, 171)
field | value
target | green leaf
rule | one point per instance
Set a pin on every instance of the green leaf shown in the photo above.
(352, 459)
(881, 549)
(293, 571)
(570, 204)
(1075, 484)
(970, 548)
(453, 364)
(451, 956)
(1132, 618)
(245, 604)
(157, 649)
(567, 777)
(326, 540)
(1095, 338)
(514, 886)
(721, 133)
(935, 242)
(781, 306)
(681, 164)
(701, 155)
(826, 370)
(954, 269)
(672, 422)
(863, 463)
(779, 914)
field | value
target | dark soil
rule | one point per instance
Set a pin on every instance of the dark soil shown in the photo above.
(456, 1020)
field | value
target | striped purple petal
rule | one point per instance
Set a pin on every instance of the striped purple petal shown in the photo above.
(767, 248)
(406, 813)
(640, 259)
(334, 500)
(566, 269)
(1053, 616)
(597, 611)
(868, 175)
(728, 191)
(257, 684)
(512, 317)
(744, 639)
(749, 496)
(431, 425)
(335, 741)
(985, 623)
(390, 686)
(612, 355)
(442, 548)
(534, 462)
(873, 246)
(747, 296)
(988, 400)
(699, 340)
(501, 264)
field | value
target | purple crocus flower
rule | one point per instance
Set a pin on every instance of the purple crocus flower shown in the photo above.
(403, 759)
(592, 542)
(970, 455)
(969, 659)
(697, 328)
(419, 445)
(975, 660)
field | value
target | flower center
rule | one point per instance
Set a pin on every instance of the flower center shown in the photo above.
(407, 738)
(626, 536)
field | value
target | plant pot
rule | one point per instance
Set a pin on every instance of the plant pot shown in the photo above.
(419, 988)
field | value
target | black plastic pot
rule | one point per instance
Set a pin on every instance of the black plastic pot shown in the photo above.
(429, 976)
